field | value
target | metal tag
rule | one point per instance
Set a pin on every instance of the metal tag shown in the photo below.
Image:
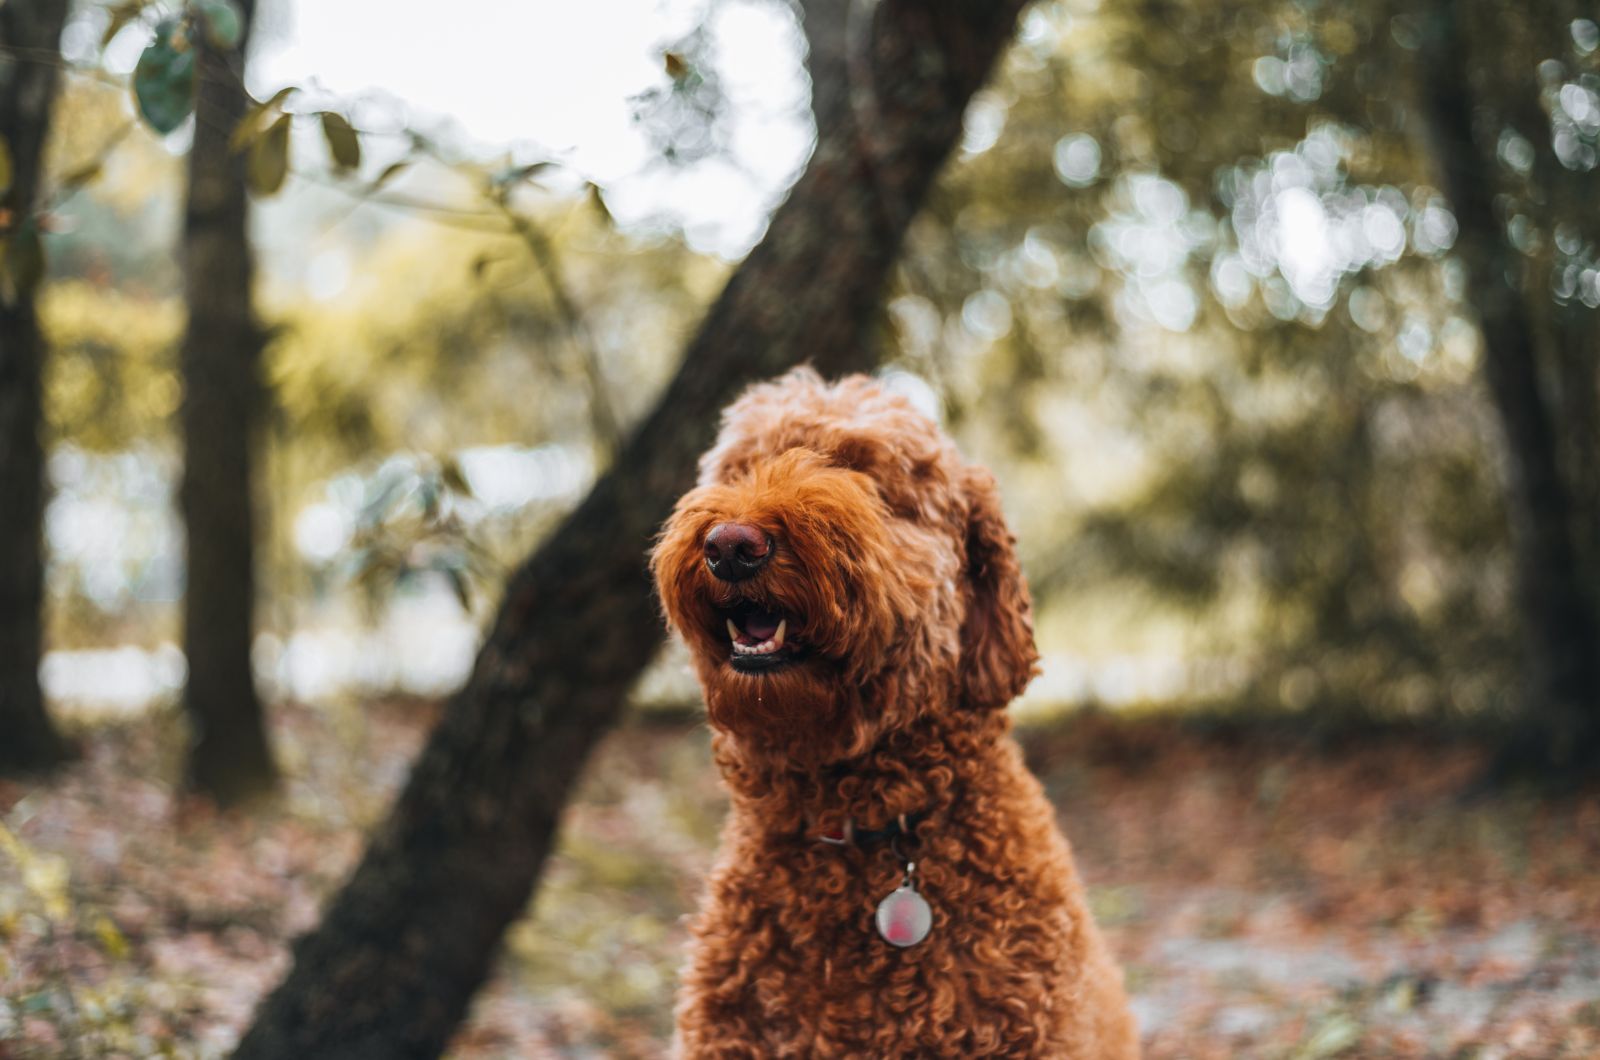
(904, 917)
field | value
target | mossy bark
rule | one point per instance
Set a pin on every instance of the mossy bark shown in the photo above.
(402, 948)
(1559, 732)
(229, 757)
(30, 36)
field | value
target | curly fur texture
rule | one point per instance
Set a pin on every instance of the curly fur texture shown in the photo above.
(911, 624)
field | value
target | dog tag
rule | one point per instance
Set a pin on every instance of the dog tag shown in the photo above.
(904, 918)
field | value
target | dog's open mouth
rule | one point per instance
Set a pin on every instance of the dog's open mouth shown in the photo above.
(760, 639)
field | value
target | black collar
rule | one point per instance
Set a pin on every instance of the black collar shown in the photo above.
(850, 835)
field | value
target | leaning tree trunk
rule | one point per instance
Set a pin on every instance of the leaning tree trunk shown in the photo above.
(404, 945)
(30, 36)
(1561, 626)
(229, 757)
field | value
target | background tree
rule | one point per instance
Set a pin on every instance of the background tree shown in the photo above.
(229, 757)
(30, 33)
(405, 944)
(1193, 285)
(1544, 386)
(1280, 305)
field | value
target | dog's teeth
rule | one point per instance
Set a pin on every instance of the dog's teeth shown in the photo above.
(741, 639)
(766, 647)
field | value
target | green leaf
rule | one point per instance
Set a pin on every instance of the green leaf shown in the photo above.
(269, 157)
(392, 170)
(428, 494)
(343, 143)
(163, 80)
(249, 128)
(224, 23)
(112, 940)
(5, 166)
(453, 478)
(458, 582)
(383, 493)
(598, 201)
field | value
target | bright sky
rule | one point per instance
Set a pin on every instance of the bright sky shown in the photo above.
(540, 81)
(544, 80)
(556, 79)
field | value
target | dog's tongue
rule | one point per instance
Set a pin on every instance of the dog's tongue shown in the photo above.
(760, 624)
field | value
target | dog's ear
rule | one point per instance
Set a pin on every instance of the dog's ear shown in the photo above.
(998, 656)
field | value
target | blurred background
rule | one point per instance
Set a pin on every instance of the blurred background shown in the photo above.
(1276, 320)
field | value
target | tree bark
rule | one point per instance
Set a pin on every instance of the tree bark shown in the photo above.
(229, 757)
(1560, 617)
(30, 38)
(403, 947)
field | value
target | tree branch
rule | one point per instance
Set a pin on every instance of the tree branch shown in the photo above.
(405, 944)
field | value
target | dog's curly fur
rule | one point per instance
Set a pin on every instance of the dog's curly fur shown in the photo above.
(893, 566)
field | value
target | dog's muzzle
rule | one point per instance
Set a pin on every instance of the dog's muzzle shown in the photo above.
(735, 551)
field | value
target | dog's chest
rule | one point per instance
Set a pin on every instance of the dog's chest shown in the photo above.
(798, 958)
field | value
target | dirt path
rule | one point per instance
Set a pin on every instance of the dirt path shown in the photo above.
(1267, 900)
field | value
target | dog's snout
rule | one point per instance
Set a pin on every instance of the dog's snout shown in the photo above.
(735, 551)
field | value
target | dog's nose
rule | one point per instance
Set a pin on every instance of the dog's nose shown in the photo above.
(734, 551)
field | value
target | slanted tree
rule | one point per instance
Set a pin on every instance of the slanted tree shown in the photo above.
(1560, 731)
(402, 948)
(229, 755)
(30, 35)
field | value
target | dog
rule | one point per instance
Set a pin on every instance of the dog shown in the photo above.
(890, 880)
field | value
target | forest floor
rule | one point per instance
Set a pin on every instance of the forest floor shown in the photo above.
(1268, 897)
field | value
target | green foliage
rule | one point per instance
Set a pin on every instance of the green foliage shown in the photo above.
(1291, 472)
(343, 144)
(5, 166)
(223, 22)
(269, 157)
(102, 1015)
(111, 382)
(410, 524)
(164, 78)
(1295, 468)
(390, 171)
(258, 118)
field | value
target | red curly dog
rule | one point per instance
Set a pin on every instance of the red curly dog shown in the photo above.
(851, 598)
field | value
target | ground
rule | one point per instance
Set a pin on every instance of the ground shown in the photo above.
(1269, 896)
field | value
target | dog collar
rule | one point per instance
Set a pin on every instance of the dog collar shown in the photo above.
(904, 917)
(848, 834)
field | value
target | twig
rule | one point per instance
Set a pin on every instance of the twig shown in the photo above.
(436, 212)
(69, 188)
(601, 413)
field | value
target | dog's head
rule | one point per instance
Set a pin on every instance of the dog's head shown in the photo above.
(839, 570)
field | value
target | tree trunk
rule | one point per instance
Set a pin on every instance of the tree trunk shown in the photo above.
(1561, 626)
(229, 758)
(30, 37)
(406, 943)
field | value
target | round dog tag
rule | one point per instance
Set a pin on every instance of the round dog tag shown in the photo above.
(904, 918)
